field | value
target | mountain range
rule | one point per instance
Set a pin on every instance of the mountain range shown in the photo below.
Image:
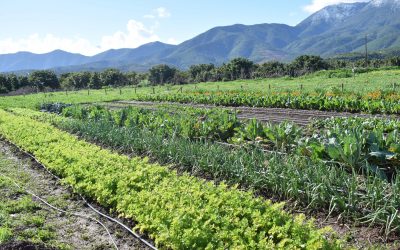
(336, 29)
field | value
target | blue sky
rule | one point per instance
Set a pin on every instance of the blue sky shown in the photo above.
(92, 26)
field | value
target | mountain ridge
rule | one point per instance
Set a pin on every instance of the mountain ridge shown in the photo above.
(333, 30)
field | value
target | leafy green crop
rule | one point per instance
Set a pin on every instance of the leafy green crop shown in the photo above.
(192, 123)
(178, 211)
(311, 182)
(349, 103)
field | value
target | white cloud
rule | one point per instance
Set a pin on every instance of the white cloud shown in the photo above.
(49, 42)
(316, 5)
(136, 34)
(162, 12)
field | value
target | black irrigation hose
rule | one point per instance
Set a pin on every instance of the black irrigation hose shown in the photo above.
(61, 210)
(85, 201)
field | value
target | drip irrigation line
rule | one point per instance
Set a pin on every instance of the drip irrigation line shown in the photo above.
(61, 210)
(84, 200)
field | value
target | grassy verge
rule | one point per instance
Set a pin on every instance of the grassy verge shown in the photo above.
(370, 83)
(21, 218)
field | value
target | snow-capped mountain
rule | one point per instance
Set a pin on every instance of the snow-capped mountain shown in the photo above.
(381, 3)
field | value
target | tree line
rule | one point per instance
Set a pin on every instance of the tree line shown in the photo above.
(238, 68)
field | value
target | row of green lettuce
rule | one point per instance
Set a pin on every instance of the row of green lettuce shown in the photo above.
(309, 184)
(177, 211)
(361, 145)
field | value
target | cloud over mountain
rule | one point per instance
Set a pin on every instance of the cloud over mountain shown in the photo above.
(136, 33)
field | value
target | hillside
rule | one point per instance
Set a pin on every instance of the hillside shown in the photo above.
(336, 29)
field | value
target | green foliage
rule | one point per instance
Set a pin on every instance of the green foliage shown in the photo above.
(5, 234)
(360, 89)
(191, 123)
(161, 74)
(10, 82)
(354, 143)
(201, 72)
(239, 68)
(306, 64)
(312, 182)
(319, 101)
(113, 77)
(43, 79)
(20, 216)
(270, 69)
(178, 211)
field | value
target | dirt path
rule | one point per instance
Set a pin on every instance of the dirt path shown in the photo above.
(70, 231)
(275, 115)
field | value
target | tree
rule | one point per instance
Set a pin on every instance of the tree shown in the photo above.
(95, 81)
(66, 81)
(44, 78)
(201, 72)
(161, 74)
(132, 78)
(307, 64)
(81, 79)
(4, 86)
(271, 69)
(240, 68)
(180, 77)
(13, 82)
(23, 81)
(394, 61)
(113, 77)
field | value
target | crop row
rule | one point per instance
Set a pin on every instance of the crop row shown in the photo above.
(282, 100)
(352, 144)
(360, 145)
(192, 123)
(178, 211)
(313, 184)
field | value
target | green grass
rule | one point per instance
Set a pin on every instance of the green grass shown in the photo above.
(5, 234)
(362, 83)
(21, 218)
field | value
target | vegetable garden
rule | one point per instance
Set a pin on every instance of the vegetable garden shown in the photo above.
(178, 211)
(195, 178)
